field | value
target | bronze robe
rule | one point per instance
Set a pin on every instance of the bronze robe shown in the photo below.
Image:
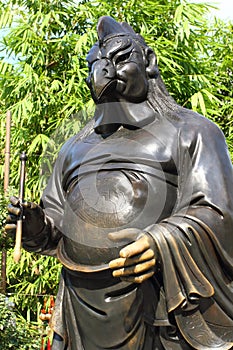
(172, 179)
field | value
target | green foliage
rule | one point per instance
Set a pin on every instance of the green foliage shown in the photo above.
(45, 87)
(5, 241)
(16, 333)
(33, 276)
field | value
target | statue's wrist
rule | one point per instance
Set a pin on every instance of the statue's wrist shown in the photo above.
(35, 241)
(154, 246)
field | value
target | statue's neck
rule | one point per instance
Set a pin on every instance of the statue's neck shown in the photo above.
(109, 116)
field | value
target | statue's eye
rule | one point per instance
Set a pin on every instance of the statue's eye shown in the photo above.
(122, 58)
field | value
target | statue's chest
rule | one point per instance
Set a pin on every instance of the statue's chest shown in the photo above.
(117, 185)
(122, 180)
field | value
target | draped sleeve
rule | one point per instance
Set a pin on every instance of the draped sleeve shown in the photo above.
(195, 244)
(52, 202)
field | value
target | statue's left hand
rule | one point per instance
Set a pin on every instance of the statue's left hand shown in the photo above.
(137, 260)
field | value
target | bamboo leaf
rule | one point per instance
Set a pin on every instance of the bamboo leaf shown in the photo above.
(186, 28)
(178, 13)
(194, 101)
(201, 102)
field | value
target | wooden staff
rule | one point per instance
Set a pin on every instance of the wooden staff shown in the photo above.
(18, 238)
(7, 152)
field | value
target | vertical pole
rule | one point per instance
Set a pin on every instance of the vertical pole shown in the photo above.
(19, 226)
(7, 151)
(6, 184)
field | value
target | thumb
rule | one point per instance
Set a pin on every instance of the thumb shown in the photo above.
(127, 234)
(29, 205)
(14, 200)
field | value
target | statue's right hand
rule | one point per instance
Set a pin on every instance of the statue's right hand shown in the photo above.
(32, 215)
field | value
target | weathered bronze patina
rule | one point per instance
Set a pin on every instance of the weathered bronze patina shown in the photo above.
(139, 210)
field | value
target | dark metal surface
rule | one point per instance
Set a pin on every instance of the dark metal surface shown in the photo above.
(143, 165)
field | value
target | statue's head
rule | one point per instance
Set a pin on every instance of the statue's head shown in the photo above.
(120, 63)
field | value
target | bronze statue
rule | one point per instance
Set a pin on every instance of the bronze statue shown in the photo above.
(139, 211)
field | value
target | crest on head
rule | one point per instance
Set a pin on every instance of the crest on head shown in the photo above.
(107, 29)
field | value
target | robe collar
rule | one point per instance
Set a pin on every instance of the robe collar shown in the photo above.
(109, 116)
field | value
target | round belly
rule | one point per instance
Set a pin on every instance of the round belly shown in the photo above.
(108, 199)
(100, 203)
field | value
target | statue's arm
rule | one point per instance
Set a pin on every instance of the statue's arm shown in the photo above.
(202, 218)
(193, 248)
(196, 242)
(40, 234)
(42, 224)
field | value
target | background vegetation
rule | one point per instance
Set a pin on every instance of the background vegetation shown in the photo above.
(42, 82)
(16, 333)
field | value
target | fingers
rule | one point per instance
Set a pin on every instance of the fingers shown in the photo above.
(140, 245)
(134, 270)
(13, 210)
(138, 279)
(15, 207)
(127, 234)
(135, 248)
(29, 205)
(14, 200)
(14, 213)
(10, 229)
(11, 219)
(122, 262)
(137, 260)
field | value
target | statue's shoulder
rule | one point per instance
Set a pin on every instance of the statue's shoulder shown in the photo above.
(194, 126)
(77, 138)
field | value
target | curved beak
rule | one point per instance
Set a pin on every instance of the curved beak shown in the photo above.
(102, 79)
